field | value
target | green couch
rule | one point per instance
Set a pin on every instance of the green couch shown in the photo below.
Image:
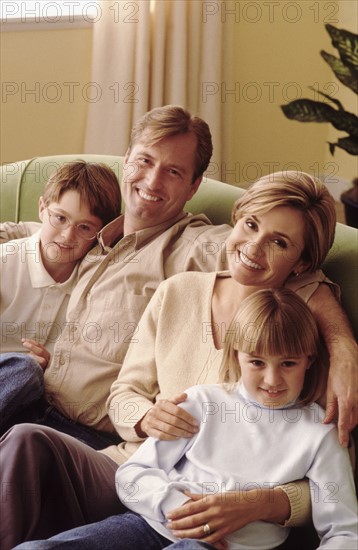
(22, 184)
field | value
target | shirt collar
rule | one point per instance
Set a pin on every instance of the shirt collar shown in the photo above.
(113, 232)
(245, 394)
(39, 277)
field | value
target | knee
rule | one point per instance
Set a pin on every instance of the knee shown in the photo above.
(18, 360)
(27, 436)
(20, 365)
(20, 433)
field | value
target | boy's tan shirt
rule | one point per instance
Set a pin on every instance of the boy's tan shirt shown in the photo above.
(32, 304)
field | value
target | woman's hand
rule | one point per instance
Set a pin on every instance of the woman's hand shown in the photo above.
(37, 351)
(226, 513)
(165, 420)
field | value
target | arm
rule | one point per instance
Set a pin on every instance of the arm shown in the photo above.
(334, 504)
(288, 505)
(132, 403)
(12, 230)
(342, 390)
(143, 483)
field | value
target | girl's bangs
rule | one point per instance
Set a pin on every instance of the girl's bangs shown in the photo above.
(276, 338)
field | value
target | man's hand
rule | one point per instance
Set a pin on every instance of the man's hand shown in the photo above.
(342, 389)
(226, 513)
(165, 420)
(37, 351)
(342, 386)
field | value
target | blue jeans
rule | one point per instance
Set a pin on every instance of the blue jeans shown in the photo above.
(21, 384)
(121, 532)
(22, 400)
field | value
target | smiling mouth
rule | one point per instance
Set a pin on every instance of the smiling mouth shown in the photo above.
(65, 246)
(147, 197)
(245, 260)
(272, 393)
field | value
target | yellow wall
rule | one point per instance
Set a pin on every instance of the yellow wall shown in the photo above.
(56, 67)
(285, 53)
(276, 59)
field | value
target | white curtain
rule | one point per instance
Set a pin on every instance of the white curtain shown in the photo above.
(151, 53)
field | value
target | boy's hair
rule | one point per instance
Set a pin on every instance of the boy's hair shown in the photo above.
(301, 191)
(96, 183)
(173, 120)
(276, 322)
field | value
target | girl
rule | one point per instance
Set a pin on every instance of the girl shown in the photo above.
(259, 428)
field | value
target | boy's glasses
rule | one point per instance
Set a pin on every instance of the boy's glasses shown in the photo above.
(83, 230)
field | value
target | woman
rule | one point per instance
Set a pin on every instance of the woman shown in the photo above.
(284, 228)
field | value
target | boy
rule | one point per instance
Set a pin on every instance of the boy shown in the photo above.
(39, 272)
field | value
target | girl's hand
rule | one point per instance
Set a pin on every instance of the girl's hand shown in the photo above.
(165, 420)
(37, 351)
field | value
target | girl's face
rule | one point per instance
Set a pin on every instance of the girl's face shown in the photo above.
(264, 249)
(273, 381)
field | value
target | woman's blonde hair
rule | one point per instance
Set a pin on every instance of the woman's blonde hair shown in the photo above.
(303, 192)
(275, 322)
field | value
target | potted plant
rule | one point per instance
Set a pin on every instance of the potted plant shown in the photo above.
(345, 69)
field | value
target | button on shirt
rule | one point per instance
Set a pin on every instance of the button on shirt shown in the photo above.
(32, 305)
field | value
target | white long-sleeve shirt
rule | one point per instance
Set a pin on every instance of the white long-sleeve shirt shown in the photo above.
(274, 446)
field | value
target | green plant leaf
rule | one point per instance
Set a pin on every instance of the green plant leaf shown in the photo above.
(307, 110)
(350, 145)
(329, 97)
(346, 43)
(346, 71)
(345, 74)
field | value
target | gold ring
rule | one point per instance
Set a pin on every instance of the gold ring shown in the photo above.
(207, 529)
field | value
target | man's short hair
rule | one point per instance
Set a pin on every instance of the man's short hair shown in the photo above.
(172, 120)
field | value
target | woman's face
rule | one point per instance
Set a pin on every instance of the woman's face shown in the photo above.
(265, 249)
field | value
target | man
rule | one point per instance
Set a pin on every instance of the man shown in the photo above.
(51, 481)
(163, 169)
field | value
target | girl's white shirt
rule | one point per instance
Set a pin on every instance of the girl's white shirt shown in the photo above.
(274, 446)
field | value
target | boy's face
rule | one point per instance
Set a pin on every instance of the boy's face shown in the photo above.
(61, 245)
(273, 381)
(158, 180)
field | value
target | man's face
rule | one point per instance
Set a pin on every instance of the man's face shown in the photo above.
(158, 180)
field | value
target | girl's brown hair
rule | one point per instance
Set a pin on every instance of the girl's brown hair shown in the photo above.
(276, 322)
